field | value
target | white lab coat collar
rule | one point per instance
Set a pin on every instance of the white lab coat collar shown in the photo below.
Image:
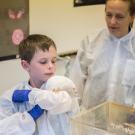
(30, 87)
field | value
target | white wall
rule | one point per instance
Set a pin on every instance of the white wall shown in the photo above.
(66, 24)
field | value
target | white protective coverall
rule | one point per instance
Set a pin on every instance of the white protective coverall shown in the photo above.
(104, 69)
(14, 119)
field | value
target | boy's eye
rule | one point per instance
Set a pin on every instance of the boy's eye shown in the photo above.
(44, 62)
(47, 61)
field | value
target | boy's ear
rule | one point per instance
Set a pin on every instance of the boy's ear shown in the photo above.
(25, 65)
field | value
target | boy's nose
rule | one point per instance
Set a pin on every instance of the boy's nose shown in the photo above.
(50, 65)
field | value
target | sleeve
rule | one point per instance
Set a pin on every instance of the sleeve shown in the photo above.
(55, 102)
(14, 123)
(79, 70)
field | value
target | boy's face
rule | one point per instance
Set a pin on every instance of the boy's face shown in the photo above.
(41, 67)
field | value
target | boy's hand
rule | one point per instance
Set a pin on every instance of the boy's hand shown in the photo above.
(20, 96)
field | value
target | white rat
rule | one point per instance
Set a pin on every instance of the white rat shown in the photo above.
(58, 82)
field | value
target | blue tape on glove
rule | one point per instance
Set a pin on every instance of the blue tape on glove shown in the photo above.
(20, 96)
(36, 112)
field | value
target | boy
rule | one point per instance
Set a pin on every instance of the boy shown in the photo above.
(21, 112)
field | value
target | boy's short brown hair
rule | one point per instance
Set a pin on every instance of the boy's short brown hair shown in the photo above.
(32, 43)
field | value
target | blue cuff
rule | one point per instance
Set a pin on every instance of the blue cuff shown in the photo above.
(20, 96)
(36, 112)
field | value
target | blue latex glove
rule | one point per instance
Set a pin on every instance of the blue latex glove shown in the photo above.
(36, 112)
(20, 96)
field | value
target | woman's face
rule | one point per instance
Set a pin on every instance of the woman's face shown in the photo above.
(118, 17)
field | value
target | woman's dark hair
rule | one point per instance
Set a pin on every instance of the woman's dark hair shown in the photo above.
(131, 5)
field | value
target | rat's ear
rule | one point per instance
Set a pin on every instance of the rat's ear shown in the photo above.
(25, 65)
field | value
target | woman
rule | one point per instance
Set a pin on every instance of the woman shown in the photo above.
(105, 66)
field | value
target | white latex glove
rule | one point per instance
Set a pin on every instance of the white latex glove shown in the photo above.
(55, 102)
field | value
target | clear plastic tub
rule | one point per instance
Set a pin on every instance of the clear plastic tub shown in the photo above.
(105, 119)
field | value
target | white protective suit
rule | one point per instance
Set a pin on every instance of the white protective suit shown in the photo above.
(104, 69)
(14, 119)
